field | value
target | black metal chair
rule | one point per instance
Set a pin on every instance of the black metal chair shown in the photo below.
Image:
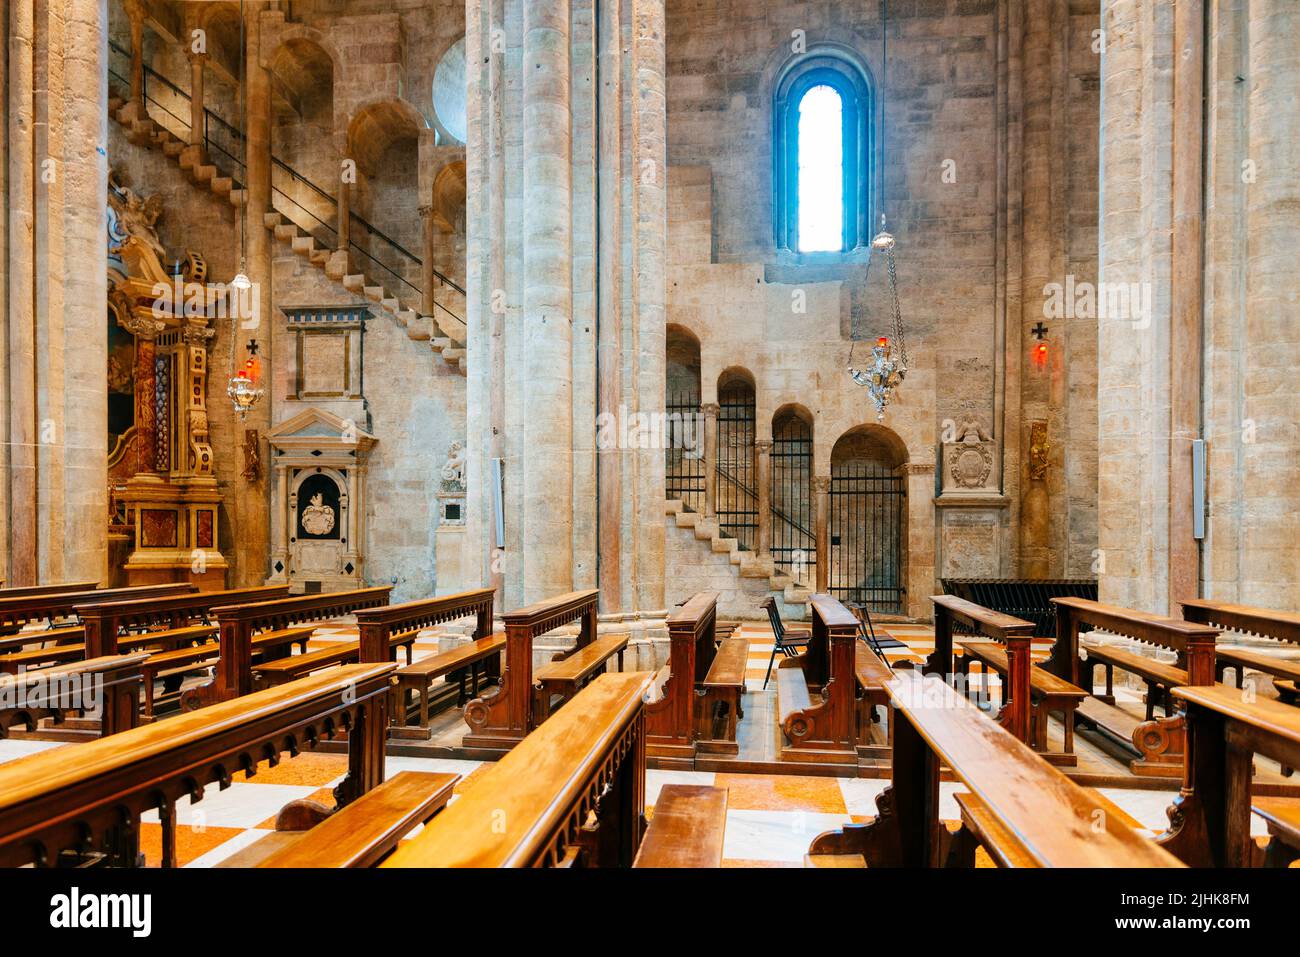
(867, 632)
(786, 640)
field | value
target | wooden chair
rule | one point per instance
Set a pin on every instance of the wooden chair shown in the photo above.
(867, 631)
(788, 641)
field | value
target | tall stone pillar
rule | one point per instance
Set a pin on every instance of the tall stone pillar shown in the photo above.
(710, 410)
(198, 121)
(548, 302)
(252, 506)
(427, 235)
(55, 405)
(763, 475)
(821, 487)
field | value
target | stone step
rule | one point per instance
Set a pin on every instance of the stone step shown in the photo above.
(440, 343)
(672, 506)
(391, 304)
(238, 197)
(272, 220)
(723, 545)
(688, 519)
(373, 293)
(174, 148)
(320, 257)
(286, 232)
(303, 245)
(221, 185)
(453, 355)
(203, 173)
(354, 282)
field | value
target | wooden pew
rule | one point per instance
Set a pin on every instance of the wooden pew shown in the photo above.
(110, 683)
(379, 625)
(1157, 742)
(239, 624)
(33, 609)
(1030, 694)
(570, 794)
(1282, 626)
(688, 829)
(872, 675)
(90, 807)
(721, 702)
(671, 720)
(1210, 818)
(502, 718)
(1023, 810)
(824, 731)
(367, 830)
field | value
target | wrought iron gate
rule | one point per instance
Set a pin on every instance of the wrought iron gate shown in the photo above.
(737, 500)
(866, 535)
(684, 463)
(794, 544)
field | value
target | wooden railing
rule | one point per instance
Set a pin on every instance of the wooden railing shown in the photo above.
(239, 623)
(91, 805)
(25, 609)
(503, 717)
(378, 625)
(104, 622)
(1279, 625)
(531, 809)
(691, 636)
(1013, 633)
(27, 591)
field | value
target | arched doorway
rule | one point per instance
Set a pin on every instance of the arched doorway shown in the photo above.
(737, 496)
(794, 541)
(868, 513)
(684, 464)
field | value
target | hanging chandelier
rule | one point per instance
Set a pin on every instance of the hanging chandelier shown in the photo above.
(243, 387)
(887, 369)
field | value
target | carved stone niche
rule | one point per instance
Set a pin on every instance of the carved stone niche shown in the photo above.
(318, 514)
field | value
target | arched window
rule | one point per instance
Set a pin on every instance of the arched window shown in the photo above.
(823, 149)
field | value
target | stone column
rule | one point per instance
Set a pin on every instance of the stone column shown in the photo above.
(548, 283)
(198, 122)
(821, 485)
(146, 407)
(763, 475)
(135, 10)
(252, 498)
(428, 302)
(710, 410)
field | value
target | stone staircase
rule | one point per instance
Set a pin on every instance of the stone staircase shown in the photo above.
(445, 332)
(753, 574)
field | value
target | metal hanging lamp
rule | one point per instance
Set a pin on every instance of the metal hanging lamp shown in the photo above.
(243, 388)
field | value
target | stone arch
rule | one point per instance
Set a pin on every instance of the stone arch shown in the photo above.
(305, 69)
(448, 199)
(377, 126)
(868, 519)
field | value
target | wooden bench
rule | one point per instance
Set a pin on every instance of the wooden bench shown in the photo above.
(1029, 599)
(280, 671)
(566, 676)
(28, 591)
(65, 651)
(367, 830)
(571, 794)
(1024, 811)
(1049, 694)
(721, 704)
(1280, 626)
(110, 685)
(671, 720)
(482, 652)
(1157, 741)
(826, 730)
(688, 828)
(872, 674)
(56, 811)
(1210, 818)
(1013, 634)
(501, 718)
(1282, 816)
(179, 662)
(239, 624)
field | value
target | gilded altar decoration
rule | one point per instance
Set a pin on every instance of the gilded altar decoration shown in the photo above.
(1039, 448)
(318, 518)
(160, 465)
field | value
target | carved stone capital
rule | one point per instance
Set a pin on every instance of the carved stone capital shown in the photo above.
(821, 484)
(141, 326)
(710, 409)
(197, 58)
(763, 446)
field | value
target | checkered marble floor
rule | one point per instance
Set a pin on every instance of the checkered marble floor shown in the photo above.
(771, 819)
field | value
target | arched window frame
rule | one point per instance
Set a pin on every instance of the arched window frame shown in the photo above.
(833, 68)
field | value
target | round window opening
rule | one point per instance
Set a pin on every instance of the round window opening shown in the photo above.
(449, 90)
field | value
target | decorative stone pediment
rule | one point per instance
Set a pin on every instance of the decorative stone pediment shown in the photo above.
(319, 429)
